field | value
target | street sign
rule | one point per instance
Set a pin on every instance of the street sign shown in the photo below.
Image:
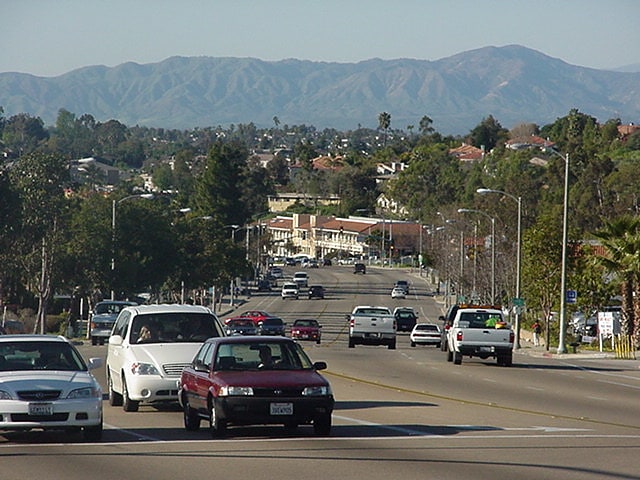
(572, 296)
(518, 302)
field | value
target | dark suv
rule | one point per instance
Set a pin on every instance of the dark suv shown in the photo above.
(271, 326)
(360, 268)
(316, 291)
(406, 318)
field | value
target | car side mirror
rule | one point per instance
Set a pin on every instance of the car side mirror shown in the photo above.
(320, 365)
(115, 340)
(95, 362)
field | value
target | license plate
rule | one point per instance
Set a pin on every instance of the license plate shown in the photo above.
(40, 409)
(486, 349)
(282, 409)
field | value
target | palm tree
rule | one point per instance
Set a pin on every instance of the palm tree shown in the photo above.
(621, 241)
(384, 121)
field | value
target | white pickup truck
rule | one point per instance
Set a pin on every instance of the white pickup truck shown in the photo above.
(480, 332)
(372, 326)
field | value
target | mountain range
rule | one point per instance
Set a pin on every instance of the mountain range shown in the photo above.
(514, 84)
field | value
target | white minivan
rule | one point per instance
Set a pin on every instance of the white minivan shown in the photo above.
(148, 348)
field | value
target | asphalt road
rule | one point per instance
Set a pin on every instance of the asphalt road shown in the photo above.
(403, 414)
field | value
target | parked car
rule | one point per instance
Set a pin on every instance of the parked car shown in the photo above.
(235, 381)
(398, 292)
(406, 318)
(306, 329)
(149, 347)
(45, 383)
(301, 279)
(289, 290)
(425, 334)
(241, 326)
(316, 291)
(271, 326)
(103, 317)
(360, 268)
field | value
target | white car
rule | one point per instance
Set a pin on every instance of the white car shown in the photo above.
(45, 384)
(301, 279)
(398, 292)
(425, 334)
(148, 348)
(290, 290)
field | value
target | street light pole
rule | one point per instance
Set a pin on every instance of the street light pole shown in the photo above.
(518, 200)
(493, 248)
(114, 203)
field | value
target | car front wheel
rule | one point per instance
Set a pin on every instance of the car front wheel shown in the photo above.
(191, 418)
(217, 425)
(93, 433)
(322, 425)
(115, 399)
(128, 405)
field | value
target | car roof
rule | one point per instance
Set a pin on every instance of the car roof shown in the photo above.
(169, 308)
(251, 339)
(117, 302)
(33, 338)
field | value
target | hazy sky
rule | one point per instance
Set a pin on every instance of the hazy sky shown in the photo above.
(51, 37)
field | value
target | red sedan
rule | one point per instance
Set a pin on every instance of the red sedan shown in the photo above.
(304, 329)
(256, 315)
(255, 381)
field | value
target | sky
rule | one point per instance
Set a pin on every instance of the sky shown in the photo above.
(52, 37)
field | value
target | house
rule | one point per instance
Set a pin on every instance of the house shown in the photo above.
(319, 236)
(467, 153)
(531, 141)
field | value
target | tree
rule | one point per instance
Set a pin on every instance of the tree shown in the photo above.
(384, 122)
(39, 180)
(621, 241)
(425, 126)
(24, 133)
(541, 260)
(488, 133)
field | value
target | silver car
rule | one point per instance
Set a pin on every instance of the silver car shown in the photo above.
(103, 317)
(45, 384)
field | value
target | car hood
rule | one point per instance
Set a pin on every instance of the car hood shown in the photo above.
(45, 380)
(272, 378)
(162, 353)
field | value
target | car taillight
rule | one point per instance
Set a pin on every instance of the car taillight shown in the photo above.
(512, 337)
(459, 336)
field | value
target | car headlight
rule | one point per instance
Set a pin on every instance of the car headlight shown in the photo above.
(144, 369)
(321, 390)
(235, 391)
(87, 392)
(5, 395)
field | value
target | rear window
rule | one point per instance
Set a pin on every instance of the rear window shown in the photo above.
(427, 328)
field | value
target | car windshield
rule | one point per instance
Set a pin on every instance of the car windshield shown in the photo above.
(175, 327)
(262, 355)
(113, 308)
(25, 355)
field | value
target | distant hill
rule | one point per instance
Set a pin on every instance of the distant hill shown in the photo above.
(513, 83)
